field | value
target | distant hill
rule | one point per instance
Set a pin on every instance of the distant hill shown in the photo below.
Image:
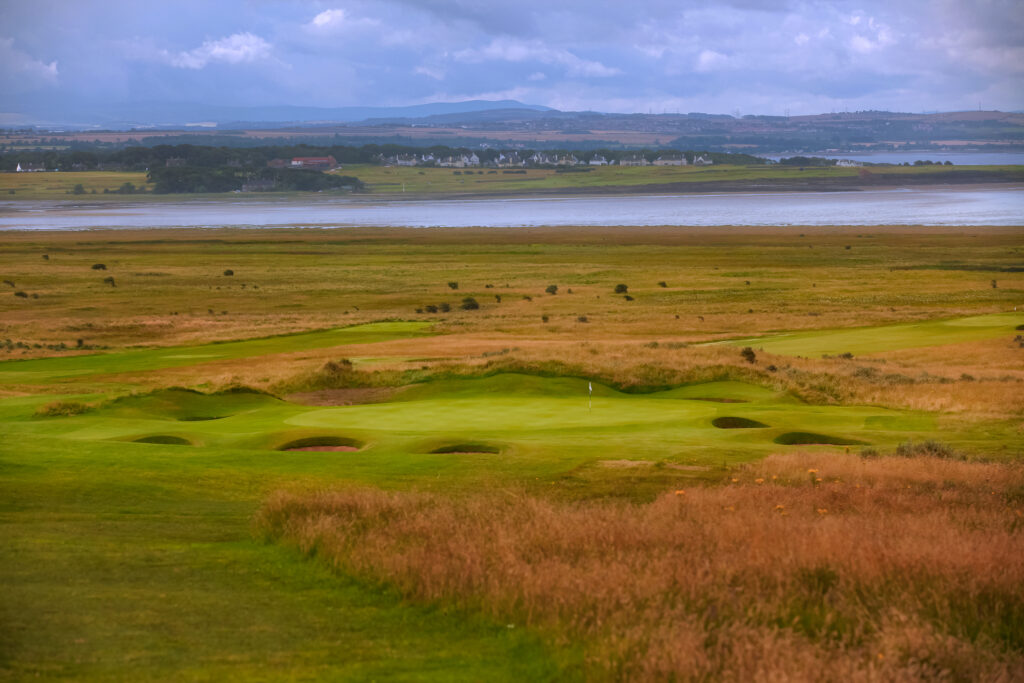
(195, 115)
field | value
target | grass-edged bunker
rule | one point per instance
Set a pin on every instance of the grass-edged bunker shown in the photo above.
(323, 443)
(812, 439)
(467, 449)
(164, 439)
(727, 422)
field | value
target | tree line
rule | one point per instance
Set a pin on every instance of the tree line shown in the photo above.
(251, 159)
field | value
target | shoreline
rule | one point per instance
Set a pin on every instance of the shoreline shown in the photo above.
(14, 206)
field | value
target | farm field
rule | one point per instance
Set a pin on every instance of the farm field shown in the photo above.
(389, 180)
(383, 179)
(302, 454)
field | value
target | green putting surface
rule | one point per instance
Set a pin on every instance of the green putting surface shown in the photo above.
(517, 414)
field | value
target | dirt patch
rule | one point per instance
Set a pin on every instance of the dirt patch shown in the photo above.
(342, 397)
(345, 449)
(621, 464)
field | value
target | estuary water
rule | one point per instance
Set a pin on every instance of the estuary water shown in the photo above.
(975, 206)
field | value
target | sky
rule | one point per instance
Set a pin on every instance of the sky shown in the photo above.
(731, 57)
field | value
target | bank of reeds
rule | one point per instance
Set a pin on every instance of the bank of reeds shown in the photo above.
(801, 567)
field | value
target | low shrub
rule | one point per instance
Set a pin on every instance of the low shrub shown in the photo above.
(929, 448)
(62, 409)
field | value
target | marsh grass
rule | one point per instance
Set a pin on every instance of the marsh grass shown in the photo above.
(800, 567)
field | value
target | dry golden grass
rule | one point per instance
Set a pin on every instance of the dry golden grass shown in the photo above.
(801, 567)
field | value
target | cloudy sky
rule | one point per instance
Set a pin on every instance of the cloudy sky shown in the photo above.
(750, 56)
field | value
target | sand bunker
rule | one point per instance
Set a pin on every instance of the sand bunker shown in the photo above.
(344, 449)
(737, 423)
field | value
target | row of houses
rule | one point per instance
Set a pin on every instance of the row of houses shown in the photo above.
(515, 160)
(326, 163)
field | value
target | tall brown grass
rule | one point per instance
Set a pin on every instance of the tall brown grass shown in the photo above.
(801, 567)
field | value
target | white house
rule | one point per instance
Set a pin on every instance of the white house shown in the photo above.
(598, 160)
(848, 163)
(702, 161)
(670, 159)
(633, 159)
(512, 160)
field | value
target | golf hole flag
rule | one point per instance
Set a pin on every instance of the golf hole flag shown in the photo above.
(590, 395)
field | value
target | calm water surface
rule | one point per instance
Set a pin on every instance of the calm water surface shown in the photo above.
(975, 206)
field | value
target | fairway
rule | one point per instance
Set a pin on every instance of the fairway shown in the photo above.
(868, 340)
(143, 360)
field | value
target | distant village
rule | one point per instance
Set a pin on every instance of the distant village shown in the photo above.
(541, 160)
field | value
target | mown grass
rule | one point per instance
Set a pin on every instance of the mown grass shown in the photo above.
(134, 561)
(788, 571)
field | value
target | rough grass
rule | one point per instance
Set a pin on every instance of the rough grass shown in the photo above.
(791, 570)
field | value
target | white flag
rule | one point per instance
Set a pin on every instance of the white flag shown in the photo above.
(590, 388)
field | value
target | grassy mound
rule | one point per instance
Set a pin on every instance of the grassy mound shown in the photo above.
(737, 423)
(188, 405)
(812, 439)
